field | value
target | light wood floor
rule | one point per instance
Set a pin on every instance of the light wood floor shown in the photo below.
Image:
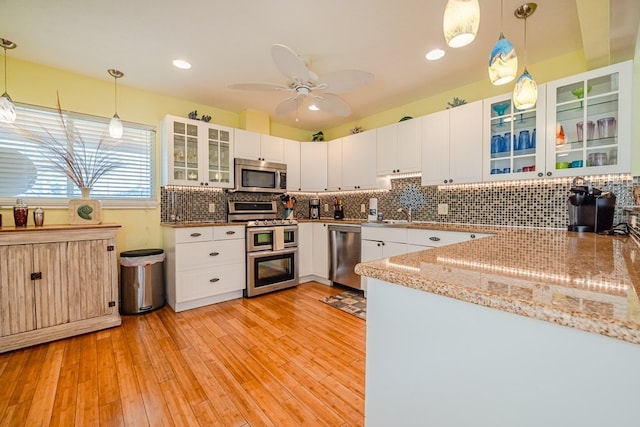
(281, 359)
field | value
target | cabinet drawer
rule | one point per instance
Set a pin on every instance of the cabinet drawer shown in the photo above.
(390, 234)
(228, 232)
(193, 234)
(207, 254)
(208, 282)
(439, 238)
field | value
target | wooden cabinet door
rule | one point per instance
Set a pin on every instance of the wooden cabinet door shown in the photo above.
(16, 290)
(51, 291)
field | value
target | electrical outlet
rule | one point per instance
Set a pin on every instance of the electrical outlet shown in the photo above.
(326, 207)
(363, 208)
(212, 207)
(443, 209)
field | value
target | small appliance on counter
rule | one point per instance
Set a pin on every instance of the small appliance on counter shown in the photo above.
(338, 212)
(590, 209)
(373, 210)
(314, 209)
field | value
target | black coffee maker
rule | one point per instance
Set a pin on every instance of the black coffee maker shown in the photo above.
(590, 209)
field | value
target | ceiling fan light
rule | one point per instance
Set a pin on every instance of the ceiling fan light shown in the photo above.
(115, 127)
(525, 93)
(7, 109)
(461, 21)
(313, 107)
(503, 62)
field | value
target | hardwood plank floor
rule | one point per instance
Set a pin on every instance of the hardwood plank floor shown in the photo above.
(281, 359)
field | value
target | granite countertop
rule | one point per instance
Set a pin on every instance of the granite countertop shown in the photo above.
(581, 280)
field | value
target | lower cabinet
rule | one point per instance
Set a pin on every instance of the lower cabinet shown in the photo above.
(204, 265)
(305, 249)
(56, 283)
(321, 250)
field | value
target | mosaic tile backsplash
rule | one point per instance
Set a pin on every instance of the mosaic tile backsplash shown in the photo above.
(536, 203)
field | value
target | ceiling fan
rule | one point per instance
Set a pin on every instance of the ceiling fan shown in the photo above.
(304, 84)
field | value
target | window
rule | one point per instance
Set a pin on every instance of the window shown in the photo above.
(27, 171)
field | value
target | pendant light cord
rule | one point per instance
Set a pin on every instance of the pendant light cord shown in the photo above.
(5, 69)
(525, 42)
(115, 93)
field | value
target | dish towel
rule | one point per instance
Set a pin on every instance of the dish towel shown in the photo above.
(278, 238)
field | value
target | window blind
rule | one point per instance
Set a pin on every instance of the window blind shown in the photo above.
(26, 169)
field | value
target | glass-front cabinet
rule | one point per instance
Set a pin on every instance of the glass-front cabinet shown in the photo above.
(196, 153)
(514, 140)
(589, 122)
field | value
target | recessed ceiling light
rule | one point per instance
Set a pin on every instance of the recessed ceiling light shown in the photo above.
(434, 54)
(313, 107)
(182, 64)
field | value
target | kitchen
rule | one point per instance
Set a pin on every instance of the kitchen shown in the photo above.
(507, 204)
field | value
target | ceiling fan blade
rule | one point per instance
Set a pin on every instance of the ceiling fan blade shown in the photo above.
(346, 80)
(258, 86)
(289, 63)
(332, 104)
(289, 105)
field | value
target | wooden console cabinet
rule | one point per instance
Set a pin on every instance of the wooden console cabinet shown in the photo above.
(56, 282)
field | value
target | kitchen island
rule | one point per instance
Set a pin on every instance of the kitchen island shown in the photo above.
(528, 327)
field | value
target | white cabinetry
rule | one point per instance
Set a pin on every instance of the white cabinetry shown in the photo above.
(305, 249)
(381, 242)
(452, 145)
(196, 153)
(292, 160)
(204, 265)
(358, 162)
(398, 148)
(313, 166)
(321, 250)
(513, 140)
(598, 102)
(334, 165)
(255, 146)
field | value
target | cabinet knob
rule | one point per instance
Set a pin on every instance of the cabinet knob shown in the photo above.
(379, 245)
(540, 175)
(214, 254)
(445, 181)
(434, 239)
(382, 243)
(473, 236)
(549, 173)
(231, 232)
(195, 234)
(214, 280)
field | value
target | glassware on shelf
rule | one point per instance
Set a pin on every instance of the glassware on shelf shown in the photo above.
(607, 127)
(500, 109)
(590, 130)
(20, 213)
(560, 139)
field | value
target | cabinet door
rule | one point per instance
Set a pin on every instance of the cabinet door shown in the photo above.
(305, 249)
(246, 145)
(408, 146)
(435, 148)
(465, 143)
(589, 122)
(52, 291)
(272, 148)
(182, 156)
(334, 164)
(321, 250)
(313, 166)
(292, 160)
(363, 160)
(386, 150)
(390, 249)
(370, 250)
(90, 282)
(17, 312)
(217, 159)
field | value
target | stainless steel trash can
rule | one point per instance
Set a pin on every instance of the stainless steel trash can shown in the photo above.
(142, 285)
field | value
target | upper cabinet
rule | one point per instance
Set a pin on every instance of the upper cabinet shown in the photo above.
(196, 153)
(589, 122)
(313, 166)
(513, 140)
(255, 146)
(358, 162)
(334, 165)
(292, 160)
(452, 145)
(398, 148)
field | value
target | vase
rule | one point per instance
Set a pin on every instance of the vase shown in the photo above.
(85, 210)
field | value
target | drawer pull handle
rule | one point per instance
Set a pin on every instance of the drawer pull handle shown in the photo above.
(434, 239)
(196, 234)
(231, 232)
(214, 254)
(473, 236)
(214, 280)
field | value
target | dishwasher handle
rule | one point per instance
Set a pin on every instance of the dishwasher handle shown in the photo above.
(345, 228)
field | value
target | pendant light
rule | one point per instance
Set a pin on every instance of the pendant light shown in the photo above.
(461, 21)
(7, 108)
(503, 61)
(115, 125)
(525, 93)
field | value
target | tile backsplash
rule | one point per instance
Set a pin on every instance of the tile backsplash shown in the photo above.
(535, 203)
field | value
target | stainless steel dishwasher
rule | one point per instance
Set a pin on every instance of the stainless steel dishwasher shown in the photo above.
(344, 254)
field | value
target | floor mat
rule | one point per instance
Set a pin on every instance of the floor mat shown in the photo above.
(350, 302)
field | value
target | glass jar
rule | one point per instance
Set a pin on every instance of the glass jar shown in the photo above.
(38, 216)
(20, 213)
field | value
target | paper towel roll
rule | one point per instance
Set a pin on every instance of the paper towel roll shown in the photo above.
(373, 209)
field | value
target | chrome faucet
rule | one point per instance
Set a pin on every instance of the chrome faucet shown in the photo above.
(407, 212)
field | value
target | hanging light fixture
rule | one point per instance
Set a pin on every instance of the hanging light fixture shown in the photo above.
(7, 109)
(115, 125)
(525, 93)
(461, 21)
(503, 61)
